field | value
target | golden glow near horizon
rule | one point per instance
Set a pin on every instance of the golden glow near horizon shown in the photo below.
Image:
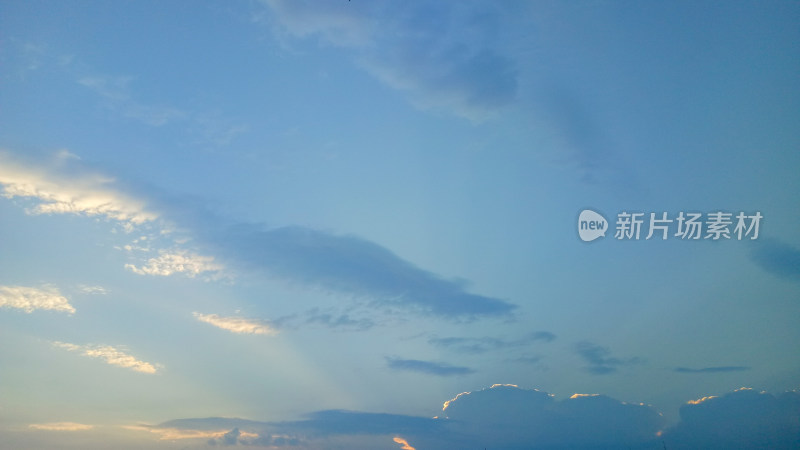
(171, 434)
(404, 443)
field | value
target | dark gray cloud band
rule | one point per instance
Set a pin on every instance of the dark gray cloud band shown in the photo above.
(355, 266)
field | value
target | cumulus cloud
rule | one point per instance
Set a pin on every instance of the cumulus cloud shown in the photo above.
(427, 367)
(777, 258)
(424, 48)
(510, 417)
(111, 356)
(717, 369)
(485, 344)
(741, 419)
(60, 426)
(506, 416)
(56, 191)
(30, 299)
(356, 266)
(177, 261)
(599, 359)
(238, 325)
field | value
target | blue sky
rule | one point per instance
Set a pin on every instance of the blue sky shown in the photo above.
(355, 224)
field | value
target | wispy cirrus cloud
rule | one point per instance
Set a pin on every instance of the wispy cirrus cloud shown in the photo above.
(110, 355)
(30, 299)
(599, 359)
(177, 261)
(119, 97)
(427, 367)
(60, 426)
(115, 91)
(424, 50)
(239, 325)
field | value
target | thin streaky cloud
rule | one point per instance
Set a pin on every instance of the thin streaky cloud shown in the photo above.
(485, 344)
(171, 434)
(239, 325)
(30, 299)
(427, 367)
(718, 369)
(111, 356)
(60, 426)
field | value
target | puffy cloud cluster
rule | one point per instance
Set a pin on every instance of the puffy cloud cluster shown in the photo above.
(30, 299)
(177, 261)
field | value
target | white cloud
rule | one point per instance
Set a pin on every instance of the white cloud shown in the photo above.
(111, 355)
(86, 289)
(236, 324)
(59, 193)
(177, 261)
(60, 426)
(29, 299)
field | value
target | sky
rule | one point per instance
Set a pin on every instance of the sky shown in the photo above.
(399, 225)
